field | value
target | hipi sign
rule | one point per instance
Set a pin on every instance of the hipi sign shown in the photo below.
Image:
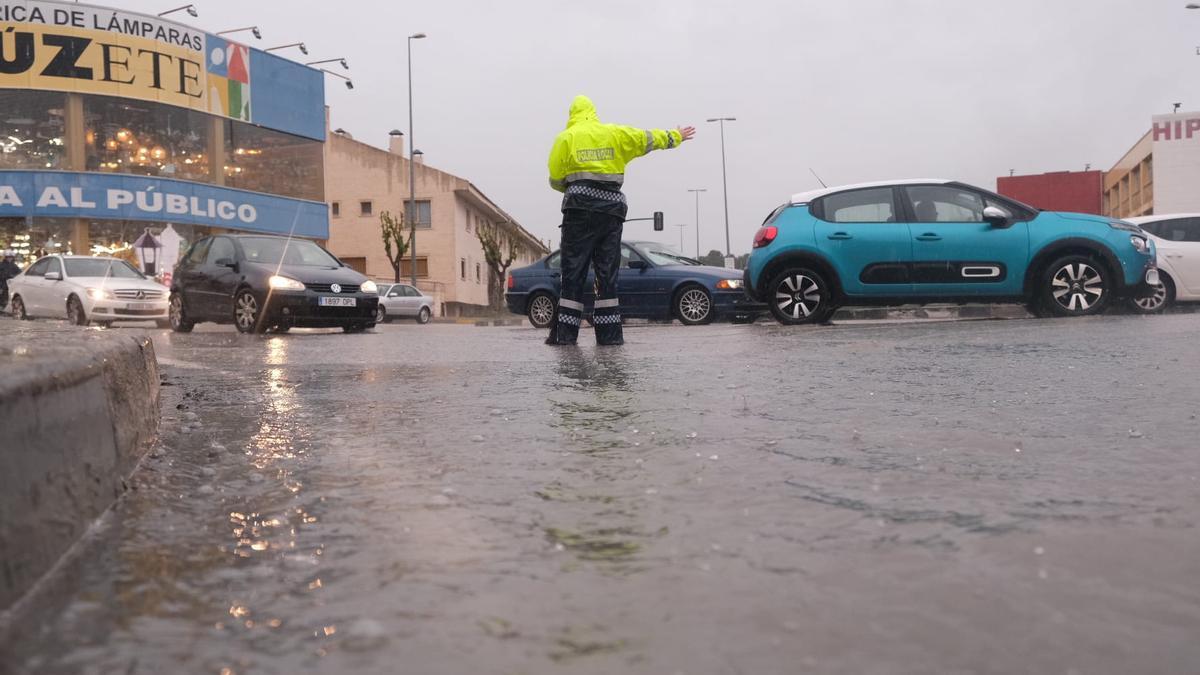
(57, 194)
(1176, 163)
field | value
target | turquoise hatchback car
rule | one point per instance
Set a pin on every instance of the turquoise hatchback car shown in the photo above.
(924, 241)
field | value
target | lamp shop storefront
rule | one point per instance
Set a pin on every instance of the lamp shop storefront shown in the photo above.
(114, 125)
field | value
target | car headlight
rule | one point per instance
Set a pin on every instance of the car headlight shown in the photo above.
(1139, 243)
(99, 294)
(369, 286)
(281, 283)
(729, 284)
(1128, 227)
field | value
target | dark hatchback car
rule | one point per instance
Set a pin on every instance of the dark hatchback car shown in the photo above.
(260, 282)
(654, 283)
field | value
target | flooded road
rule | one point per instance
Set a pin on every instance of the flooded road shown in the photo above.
(981, 497)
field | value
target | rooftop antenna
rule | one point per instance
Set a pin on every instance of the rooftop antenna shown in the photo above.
(814, 173)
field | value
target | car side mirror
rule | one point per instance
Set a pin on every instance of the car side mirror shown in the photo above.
(53, 276)
(227, 262)
(638, 265)
(997, 217)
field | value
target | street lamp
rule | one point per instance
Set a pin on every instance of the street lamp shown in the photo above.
(190, 9)
(253, 29)
(724, 180)
(340, 59)
(697, 191)
(412, 181)
(301, 45)
(349, 82)
(681, 226)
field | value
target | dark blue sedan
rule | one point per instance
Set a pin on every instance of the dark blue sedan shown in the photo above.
(654, 283)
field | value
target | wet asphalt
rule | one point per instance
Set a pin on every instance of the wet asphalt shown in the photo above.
(971, 497)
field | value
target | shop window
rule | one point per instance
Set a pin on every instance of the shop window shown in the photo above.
(335, 208)
(365, 208)
(422, 267)
(424, 216)
(31, 130)
(31, 240)
(146, 139)
(263, 160)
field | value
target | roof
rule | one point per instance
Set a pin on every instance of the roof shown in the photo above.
(806, 197)
(1141, 220)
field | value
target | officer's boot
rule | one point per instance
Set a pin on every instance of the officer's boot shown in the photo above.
(565, 328)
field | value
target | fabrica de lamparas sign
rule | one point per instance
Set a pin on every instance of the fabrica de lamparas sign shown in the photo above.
(58, 194)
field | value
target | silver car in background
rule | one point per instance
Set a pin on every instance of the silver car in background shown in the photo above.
(402, 301)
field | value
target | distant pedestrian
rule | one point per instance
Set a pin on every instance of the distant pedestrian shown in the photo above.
(8, 270)
(587, 164)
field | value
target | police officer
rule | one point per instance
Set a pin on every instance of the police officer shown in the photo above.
(587, 164)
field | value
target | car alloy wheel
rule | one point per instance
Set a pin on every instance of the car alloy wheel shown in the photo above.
(1077, 287)
(18, 308)
(799, 297)
(380, 314)
(245, 311)
(75, 313)
(694, 306)
(424, 315)
(1154, 303)
(176, 316)
(541, 310)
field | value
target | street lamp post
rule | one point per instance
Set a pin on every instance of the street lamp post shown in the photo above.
(698, 191)
(412, 181)
(681, 226)
(253, 29)
(724, 180)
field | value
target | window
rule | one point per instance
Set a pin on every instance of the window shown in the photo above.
(944, 204)
(1180, 229)
(411, 292)
(555, 261)
(55, 265)
(147, 139)
(422, 267)
(38, 268)
(335, 209)
(397, 291)
(628, 254)
(221, 249)
(276, 251)
(274, 162)
(365, 208)
(198, 252)
(859, 206)
(31, 130)
(101, 268)
(478, 274)
(424, 217)
(469, 221)
(462, 268)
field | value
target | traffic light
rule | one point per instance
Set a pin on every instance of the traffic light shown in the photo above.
(658, 221)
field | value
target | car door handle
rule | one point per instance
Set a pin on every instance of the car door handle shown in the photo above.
(928, 236)
(840, 236)
(1174, 255)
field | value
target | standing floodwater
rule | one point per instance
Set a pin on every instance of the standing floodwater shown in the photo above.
(993, 497)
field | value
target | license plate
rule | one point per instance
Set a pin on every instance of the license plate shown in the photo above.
(327, 301)
(139, 305)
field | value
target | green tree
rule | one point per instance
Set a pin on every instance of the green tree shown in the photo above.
(713, 258)
(499, 255)
(394, 243)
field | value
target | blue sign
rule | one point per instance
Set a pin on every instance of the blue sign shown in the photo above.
(62, 194)
(287, 96)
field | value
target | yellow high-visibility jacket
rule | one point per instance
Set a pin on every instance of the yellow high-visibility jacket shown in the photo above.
(588, 149)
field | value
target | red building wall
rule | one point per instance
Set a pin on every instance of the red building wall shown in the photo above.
(1081, 191)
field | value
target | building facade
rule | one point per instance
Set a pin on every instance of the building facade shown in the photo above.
(362, 182)
(113, 123)
(1078, 192)
(1129, 184)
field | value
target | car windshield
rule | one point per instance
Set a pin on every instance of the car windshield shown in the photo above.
(101, 267)
(272, 251)
(660, 256)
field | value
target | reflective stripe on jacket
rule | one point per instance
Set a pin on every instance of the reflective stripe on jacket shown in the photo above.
(590, 150)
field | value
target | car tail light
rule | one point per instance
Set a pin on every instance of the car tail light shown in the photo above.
(512, 281)
(765, 236)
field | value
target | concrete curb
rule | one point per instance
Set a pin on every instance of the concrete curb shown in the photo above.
(78, 410)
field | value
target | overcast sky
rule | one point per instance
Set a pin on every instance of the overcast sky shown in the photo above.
(856, 89)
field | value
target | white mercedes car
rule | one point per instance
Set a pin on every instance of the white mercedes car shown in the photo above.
(84, 290)
(1177, 237)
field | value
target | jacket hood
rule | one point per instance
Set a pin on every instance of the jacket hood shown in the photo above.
(582, 110)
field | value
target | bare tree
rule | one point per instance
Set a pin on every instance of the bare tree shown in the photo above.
(393, 238)
(499, 258)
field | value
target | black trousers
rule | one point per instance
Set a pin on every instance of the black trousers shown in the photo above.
(589, 239)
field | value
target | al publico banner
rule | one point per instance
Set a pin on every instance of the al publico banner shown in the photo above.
(72, 47)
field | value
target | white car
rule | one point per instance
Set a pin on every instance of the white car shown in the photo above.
(403, 301)
(1177, 237)
(83, 290)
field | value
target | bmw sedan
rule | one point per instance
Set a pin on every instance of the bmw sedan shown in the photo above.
(84, 290)
(654, 283)
(260, 282)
